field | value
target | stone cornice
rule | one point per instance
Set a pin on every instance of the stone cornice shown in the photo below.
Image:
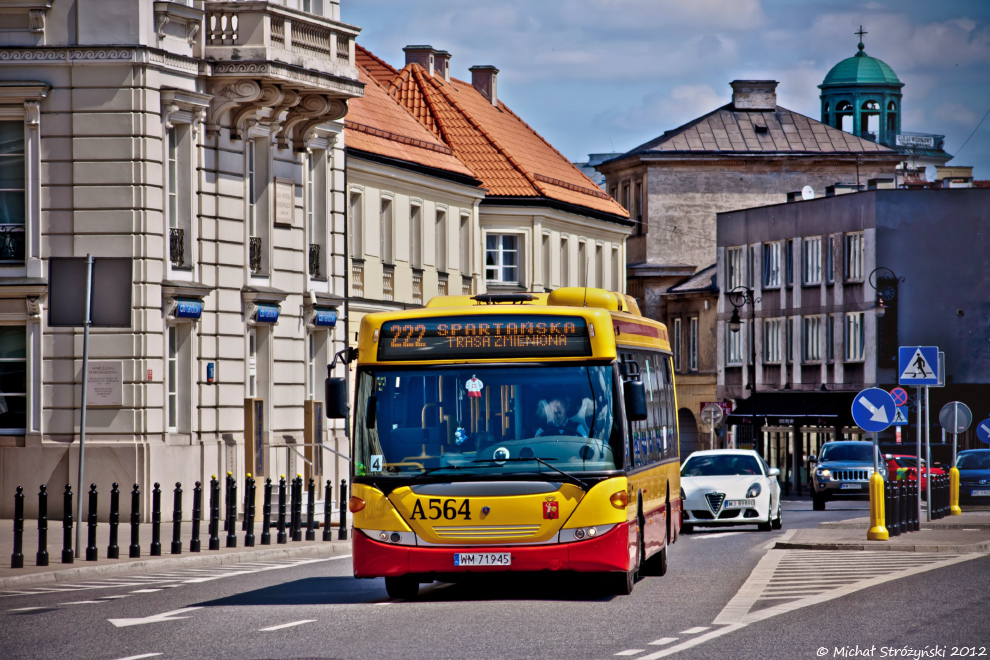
(21, 91)
(325, 82)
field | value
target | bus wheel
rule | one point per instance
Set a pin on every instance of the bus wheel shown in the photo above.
(404, 586)
(621, 584)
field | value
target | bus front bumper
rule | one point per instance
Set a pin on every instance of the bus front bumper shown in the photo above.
(609, 552)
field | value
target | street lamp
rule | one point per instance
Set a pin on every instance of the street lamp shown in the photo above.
(883, 284)
(739, 297)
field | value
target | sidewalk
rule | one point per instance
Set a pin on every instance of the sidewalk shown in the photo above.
(969, 532)
(81, 569)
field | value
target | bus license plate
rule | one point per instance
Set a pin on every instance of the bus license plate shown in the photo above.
(981, 493)
(851, 486)
(482, 559)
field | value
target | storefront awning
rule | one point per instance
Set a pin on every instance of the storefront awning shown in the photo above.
(815, 408)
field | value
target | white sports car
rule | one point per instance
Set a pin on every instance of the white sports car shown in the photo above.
(729, 487)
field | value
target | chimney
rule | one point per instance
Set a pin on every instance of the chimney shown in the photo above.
(754, 94)
(421, 55)
(443, 64)
(840, 188)
(880, 184)
(484, 77)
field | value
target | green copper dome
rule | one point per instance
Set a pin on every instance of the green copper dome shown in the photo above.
(861, 69)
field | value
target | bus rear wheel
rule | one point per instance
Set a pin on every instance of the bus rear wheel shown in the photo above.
(620, 584)
(404, 586)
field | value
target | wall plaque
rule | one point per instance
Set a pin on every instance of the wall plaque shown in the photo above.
(106, 384)
(285, 201)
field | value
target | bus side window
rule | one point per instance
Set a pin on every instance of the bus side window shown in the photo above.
(656, 409)
(673, 443)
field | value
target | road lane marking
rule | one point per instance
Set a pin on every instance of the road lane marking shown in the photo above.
(113, 597)
(287, 625)
(630, 652)
(663, 641)
(138, 657)
(27, 609)
(695, 630)
(663, 653)
(145, 591)
(716, 535)
(154, 618)
(82, 602)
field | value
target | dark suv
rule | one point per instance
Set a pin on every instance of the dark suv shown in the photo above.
(843, 471)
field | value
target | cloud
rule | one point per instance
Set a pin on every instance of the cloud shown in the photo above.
(665, 111)
(955, 112)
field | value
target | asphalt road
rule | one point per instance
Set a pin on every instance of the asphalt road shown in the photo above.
(317, 610)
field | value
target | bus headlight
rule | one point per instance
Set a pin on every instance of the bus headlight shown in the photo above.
(619, 499)
(583, 533)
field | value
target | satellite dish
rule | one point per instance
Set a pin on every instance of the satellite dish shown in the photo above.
(931, 173)
(807, 193)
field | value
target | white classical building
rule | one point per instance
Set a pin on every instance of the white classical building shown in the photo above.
(202, 141)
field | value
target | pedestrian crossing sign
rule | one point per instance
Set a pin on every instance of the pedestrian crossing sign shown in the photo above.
(918, 365)
(900, 416)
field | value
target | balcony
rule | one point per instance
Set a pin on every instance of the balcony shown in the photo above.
(263, 40)
(177, 247)
(442, 284)
(388, 281)
(12, 243)
(417, 286)
(314, 261)
(357, 278)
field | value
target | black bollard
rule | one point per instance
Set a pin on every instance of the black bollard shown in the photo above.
(226, 500)
(342, 530)
(113, 550)
(327, 511)
(197, 512)
(214, 513)
(177, 519)
(892, 515)
(250, 492)
(311, 511)
(244, 505)
(92, 554)
(135, 549)
(17, 557)
(67, 525)
(903, 507)
(915, 515)
(232, 516)
(942, 512)
(41, 559)
(156, 521)
(296, 509)
(266, 514)
(280, 537)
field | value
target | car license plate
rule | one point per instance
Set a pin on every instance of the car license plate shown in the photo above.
(981, 493)
(482, 559)
(851, 486)
(740, 504)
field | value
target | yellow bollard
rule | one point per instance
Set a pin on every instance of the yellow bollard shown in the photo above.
(877, 531)
(954, 509)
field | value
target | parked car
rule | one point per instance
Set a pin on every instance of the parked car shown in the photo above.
(729, 487)
(843, 471)
(903, 467)
(974, 475)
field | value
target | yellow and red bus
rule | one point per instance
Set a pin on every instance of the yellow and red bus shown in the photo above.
(512, 432)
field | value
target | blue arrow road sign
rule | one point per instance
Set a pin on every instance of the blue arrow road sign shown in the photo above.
(983, 431)
(918, 365)
(900, 417)
(873, 409)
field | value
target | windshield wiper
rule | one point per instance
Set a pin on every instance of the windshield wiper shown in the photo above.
(542, 461)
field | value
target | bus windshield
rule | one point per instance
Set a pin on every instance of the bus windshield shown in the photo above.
(480, 420)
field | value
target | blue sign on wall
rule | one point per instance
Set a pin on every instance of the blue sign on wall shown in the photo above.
(266, 314)
(188, 309)
(326, 318)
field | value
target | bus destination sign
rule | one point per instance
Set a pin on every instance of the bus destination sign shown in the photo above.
(492, 336)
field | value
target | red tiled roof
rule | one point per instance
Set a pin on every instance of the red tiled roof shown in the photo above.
(509, 157)
(376, 123)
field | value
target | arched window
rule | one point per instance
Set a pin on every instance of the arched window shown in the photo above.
(844, 116)
(892, 107)
(871, 105)
(891, 117)
(825, 115)
(843, 106)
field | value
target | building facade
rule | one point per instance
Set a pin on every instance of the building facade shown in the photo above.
(817, 329)
(203, 142)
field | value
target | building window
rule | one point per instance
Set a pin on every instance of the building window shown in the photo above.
(13, 384)
(829, 261)
(356, 224)
(772, 340)
(252, 380)
(416, 236)
(599, 268)
(616, 283)
(733, 345)
(613, 193)
(12, 191)
(751, 267)
(790, 263)
(441, 240)
(252, 196)
(854, 339)
(830, 337)
(565, 261)
(789, 340)
(316, 223)
(502, 258)
(854, 257)
(734, 267)
(676, 346)
(582, 263)
(693, 344)
(812, 338)
(178, 196)
(173, 379)
(638, 215)
(385, 231)
(311, 373)
(464, 259)
(545, 255)
(771, 266)
(625, 197)
(257, 204)
(812, 260)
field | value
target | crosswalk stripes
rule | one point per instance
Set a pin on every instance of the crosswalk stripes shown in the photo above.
(150, 582)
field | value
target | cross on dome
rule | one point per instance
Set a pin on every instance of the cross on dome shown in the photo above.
(861, 32)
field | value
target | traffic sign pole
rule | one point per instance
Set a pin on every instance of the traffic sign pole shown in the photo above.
(928, 461)
(917, 468)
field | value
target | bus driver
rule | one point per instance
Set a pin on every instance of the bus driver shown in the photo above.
(558, 422)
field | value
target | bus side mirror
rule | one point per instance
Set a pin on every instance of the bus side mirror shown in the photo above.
(635, 395)
(335, 397)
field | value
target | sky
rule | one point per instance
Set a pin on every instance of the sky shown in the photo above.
(596, 76)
